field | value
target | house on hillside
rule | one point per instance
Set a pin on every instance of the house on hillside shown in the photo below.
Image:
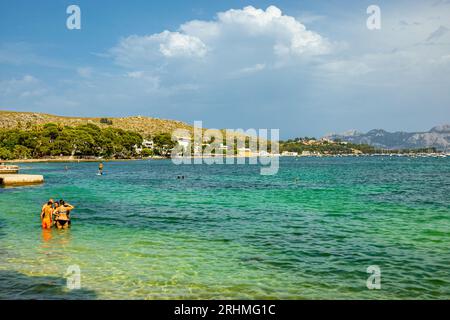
(146, 144)
(184, 142)
(289, 154)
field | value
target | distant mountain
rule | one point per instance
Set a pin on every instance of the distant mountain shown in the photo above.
(438, 137)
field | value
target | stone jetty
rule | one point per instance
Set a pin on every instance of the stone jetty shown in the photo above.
(9, 176)
(7, 169)
(20, 179)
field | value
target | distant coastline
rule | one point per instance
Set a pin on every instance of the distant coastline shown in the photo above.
(343, 155)
(67, 160)
(30, 138)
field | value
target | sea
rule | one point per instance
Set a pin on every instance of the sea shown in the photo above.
(321, 228)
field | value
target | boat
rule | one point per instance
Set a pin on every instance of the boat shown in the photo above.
(5, 169)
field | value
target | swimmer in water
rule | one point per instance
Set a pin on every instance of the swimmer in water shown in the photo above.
(100, 168)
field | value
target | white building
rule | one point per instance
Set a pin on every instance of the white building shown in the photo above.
(184, 142)
(148, 144)
(223, 147)
(197, 149)
(327, 140)
(289, 154)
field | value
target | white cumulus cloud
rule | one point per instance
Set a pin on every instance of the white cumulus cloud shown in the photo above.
(235, 37)
(174, 44)
(135, 50)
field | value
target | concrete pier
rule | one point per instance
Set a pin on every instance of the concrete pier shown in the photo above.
(20, 179)
(7, 169)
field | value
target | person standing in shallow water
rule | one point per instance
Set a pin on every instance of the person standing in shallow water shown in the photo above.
(46, 204)
(55, 212)
(63, 215)
(100, 168)
(46, 215)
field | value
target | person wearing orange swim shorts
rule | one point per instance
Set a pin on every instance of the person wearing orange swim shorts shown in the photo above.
(46, 215)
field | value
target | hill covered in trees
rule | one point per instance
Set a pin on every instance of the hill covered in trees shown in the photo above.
(53, 140)
(26, 135)
(145, 126)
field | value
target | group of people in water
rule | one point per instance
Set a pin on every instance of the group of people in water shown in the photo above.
(56, 214)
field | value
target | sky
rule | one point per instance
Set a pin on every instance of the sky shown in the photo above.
(307, 67)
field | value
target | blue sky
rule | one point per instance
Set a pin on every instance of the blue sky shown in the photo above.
(305, 67)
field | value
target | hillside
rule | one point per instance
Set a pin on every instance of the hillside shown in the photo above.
(144, 125)
(438, 137)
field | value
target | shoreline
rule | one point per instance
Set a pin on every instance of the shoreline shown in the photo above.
(72, 160)
(60, 160)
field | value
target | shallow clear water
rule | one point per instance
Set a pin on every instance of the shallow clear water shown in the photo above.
(225, 231)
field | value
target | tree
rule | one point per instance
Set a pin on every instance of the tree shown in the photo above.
(106, 121)
(5, 154)
(163, 144)
(21, 152)
(146, 152)
(54, 140)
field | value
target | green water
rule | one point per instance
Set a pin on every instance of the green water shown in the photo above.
(309, 232)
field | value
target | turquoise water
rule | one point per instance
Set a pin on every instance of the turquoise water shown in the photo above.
(309, 232)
